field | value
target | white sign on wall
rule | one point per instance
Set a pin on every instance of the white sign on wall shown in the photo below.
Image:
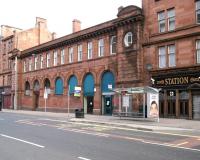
(110, 86)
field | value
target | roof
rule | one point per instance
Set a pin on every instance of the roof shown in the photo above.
(137, 90)
(86, 33)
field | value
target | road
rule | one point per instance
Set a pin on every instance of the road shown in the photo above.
(31, 137)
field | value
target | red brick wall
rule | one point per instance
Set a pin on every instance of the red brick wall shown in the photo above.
(184, 36)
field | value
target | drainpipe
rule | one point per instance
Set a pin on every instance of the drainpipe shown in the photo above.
(16, 84)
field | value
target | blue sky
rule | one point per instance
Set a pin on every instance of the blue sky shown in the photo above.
(60, 13)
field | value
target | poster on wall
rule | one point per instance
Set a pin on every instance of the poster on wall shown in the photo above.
(77, 91)
(153, 105)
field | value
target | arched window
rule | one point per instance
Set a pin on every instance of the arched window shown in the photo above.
(47, 85)
(88, 85)
(107, 82)
(72, 83)
(36, 86)
(59, 86)
(113, 44)
(27, 88)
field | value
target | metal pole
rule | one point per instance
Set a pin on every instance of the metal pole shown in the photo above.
(144, 99)
(45, 103)
(119, 103)
(68, 99)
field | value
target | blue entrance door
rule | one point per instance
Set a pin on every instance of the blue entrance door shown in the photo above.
(88, 91)
(108, 105)
(107, 82)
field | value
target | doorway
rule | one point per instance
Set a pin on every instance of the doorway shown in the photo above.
(35, 100)
(196, 107)
(108, 105)
(88, 104)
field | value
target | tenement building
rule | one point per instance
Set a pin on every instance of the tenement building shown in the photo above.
(13, 39)
(172, 54)
(96, 60)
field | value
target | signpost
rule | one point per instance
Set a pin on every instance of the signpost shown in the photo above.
(68, 100)
(45, 98)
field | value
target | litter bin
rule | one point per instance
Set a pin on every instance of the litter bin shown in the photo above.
(79, 113)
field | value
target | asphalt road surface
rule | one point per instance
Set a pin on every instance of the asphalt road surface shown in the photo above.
(26, 137)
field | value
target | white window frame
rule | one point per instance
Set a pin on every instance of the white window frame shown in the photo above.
(113, 43)
(71, 54)
(171, 55)
(161, 20)
(24, 65)
(197, 11)
(48, 59)
(90, 50)
(101, 48)
(62, 57)
(55, 58)
(41, 61)
(128, 39)
(30, 64)
(36, 62)
(198, 51)
(80, 52)
(162, 55)
(171, 19)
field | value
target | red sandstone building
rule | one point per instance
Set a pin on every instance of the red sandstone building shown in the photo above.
(98, 58)
(156, 46)
(172, 54)
(11, 39)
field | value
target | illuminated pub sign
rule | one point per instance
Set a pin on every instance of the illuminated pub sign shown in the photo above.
(178, 81)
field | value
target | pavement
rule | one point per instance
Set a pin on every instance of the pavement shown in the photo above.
(136, 123)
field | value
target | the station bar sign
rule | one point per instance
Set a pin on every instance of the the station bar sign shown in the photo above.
(176, 81)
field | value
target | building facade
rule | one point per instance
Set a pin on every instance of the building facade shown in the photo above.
(96, 60)
(17, 39)
(171, 54)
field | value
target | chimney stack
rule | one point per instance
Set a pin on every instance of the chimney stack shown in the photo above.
(53, 35)
(76, 25)
(41, 22)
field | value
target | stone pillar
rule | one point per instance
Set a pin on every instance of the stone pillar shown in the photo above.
(165, 104)
(177, 104)
(97, 101)
(190, 104)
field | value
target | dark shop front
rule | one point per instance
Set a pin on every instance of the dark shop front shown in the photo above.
(180, 94)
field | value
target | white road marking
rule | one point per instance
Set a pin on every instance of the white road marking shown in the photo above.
(130, 138)
(85, 132)
(83, 158)
(180, 144)
(132, 129)
(172, 146)
(27, 142)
